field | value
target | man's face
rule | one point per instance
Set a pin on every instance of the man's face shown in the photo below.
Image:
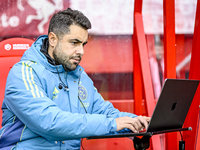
(70, 49)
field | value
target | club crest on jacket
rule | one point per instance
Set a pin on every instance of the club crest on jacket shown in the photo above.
(82, 92)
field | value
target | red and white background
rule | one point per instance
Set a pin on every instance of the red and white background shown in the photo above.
(108, 17)
(27, 17)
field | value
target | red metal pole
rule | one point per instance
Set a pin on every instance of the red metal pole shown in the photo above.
(192, 117)
(142, 75)
(170, 57)
(146, 73)
(169, 39)
(137, 75)
(145, 67)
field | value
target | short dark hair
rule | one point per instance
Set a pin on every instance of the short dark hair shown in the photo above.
(61, 21)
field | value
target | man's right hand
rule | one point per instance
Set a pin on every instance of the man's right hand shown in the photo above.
(135, 124)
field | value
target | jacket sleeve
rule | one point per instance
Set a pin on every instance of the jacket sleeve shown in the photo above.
(100, 106)
(25, 97)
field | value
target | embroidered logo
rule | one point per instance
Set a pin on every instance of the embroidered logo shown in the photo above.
(55, 93)
(82, 92)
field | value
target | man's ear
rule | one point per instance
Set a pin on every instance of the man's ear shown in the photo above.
(52, 39)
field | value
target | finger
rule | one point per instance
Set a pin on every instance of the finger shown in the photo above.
(132, 128)
(132, 124)
(125, 122)
(137, 124)
(147, 118)
(143, 121)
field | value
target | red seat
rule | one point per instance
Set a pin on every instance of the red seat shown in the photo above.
(11, 51)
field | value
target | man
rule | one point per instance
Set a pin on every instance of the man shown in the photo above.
(50, 103)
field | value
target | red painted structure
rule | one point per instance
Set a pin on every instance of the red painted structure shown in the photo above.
(142, 74)
(169, 57)
(193, 115)
(142, 78)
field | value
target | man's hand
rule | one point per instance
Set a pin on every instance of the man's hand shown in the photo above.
(135, 124)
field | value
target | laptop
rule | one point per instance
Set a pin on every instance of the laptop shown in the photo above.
(170, 112)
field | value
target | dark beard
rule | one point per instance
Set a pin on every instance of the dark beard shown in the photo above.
(66, 65)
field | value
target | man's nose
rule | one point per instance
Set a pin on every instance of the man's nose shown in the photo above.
(80, 50)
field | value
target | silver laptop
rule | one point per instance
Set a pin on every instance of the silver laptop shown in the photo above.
(170, 111)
